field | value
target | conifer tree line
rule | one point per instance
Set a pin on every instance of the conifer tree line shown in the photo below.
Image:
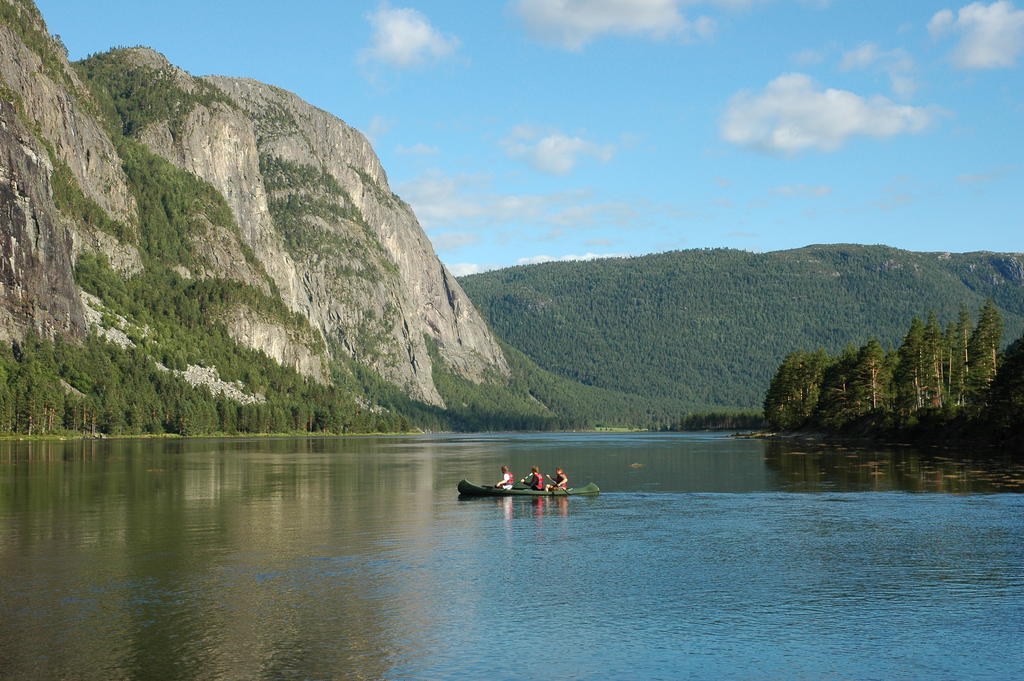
(55, 387)
(940, 380)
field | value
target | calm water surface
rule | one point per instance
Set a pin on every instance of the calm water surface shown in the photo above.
(703, 558)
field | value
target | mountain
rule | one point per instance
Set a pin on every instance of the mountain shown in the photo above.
(218, 229)
(708, 327)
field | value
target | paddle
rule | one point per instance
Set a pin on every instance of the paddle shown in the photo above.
(522, 481)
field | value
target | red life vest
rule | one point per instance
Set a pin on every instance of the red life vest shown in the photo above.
(538, 481)
(508, 479)
(560, 481)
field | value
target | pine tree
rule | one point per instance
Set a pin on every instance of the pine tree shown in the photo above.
(793, 394)
(838, 403)
(983, 353)
(871, 378)
(911, 370)
(1007, 393)
(958, 336)
(933, 377)
(6, 404)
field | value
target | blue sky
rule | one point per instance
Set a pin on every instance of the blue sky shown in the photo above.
(526, 130)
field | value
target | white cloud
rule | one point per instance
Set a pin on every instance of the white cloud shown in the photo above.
(991, 36)
(903, 86)
(992, 175)
(418, 149)
(450, 241)
(808, 57)
(804, 190)
(378, 127)
(620, 213)
(729, 4)
(463, 268)
(556, 153)
(860, 58)
(572, 24)
(894, 200)
(897, 64)
(792, 115)
(941, 22)
(467, 202)
(404, 37)
(537, 259)
(440, 199)
(869, 54)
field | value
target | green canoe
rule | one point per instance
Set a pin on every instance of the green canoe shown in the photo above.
(468, 489)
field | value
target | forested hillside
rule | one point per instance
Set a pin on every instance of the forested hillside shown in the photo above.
(708, 327)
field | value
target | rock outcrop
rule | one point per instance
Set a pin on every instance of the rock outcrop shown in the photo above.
(276, 341)
(364, 272)
(317, 223)
(51, 95)
(37, 290)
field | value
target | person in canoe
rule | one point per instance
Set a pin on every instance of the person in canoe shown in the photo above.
(561, 480)
(535, 480)
(507, 479)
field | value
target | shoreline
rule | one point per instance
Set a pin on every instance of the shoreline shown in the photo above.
(225, 436)
(825, 439)
(71, 437)
(205, 436)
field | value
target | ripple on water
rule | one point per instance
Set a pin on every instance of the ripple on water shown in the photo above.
(355, 560)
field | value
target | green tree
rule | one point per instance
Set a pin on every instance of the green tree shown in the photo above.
(872, 377)
(838, 403)
(911, 371)
(795, 389)
(957, 340)
(933, 380)
(1007, 393)
(983, 353)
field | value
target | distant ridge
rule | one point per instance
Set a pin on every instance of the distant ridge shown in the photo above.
(708, 327)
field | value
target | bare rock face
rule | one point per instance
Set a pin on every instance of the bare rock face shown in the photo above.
(46, 118)
(313, 203)
(218, 144)
(219, 248)
(276, 341)
(1011, 269)
(124, 258)
(37, 290)
(53, 97)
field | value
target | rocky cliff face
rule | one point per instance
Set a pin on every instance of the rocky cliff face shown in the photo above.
(313, 202)
(37, 291)
(317, 223)
(35, 70)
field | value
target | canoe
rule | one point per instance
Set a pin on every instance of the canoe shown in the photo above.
(468, 489)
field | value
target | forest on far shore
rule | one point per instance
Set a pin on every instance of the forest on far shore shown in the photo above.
(941, 382)
(707, 327)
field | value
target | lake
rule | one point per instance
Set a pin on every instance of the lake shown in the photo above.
(704, 557)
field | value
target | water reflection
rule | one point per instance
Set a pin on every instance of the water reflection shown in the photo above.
(523, 507)
(352, 558)
(820, 468)
(147, 551)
